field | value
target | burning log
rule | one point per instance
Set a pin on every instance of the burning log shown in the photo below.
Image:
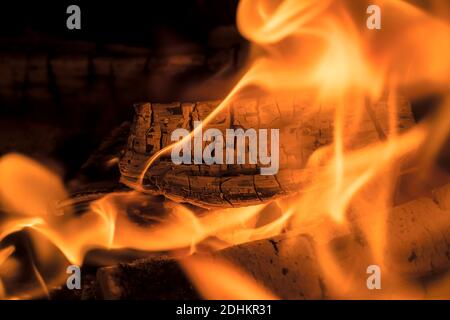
(302, 131)
(290, 265)
(261, 258)
(420, 229)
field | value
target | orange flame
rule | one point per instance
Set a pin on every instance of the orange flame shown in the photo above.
(319, 48)
(232, 283)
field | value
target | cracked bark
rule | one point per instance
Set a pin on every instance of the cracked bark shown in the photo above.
(302, 131)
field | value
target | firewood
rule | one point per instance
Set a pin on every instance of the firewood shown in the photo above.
(289, 264)
(303, 129)
(166, 279)
(419, 242)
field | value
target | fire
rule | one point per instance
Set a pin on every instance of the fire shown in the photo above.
(233, 285)
(319, 48)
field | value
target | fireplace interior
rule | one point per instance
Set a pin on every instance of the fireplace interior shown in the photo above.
(82, 112)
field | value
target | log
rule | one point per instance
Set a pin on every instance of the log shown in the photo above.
(165, 279)
(417, 246)
(303, 129)
(419, 230)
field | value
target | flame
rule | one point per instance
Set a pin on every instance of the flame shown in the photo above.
(106, 224)
(318, 48)
(232, 284)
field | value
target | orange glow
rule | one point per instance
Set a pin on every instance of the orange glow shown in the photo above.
(317, 48)
(232, 284)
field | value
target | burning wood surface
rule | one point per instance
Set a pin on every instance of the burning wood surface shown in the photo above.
(304, 129)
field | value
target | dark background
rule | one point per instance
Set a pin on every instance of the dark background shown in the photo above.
(62, 91)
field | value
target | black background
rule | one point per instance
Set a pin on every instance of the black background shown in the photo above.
(131, 21)
(65, 128)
